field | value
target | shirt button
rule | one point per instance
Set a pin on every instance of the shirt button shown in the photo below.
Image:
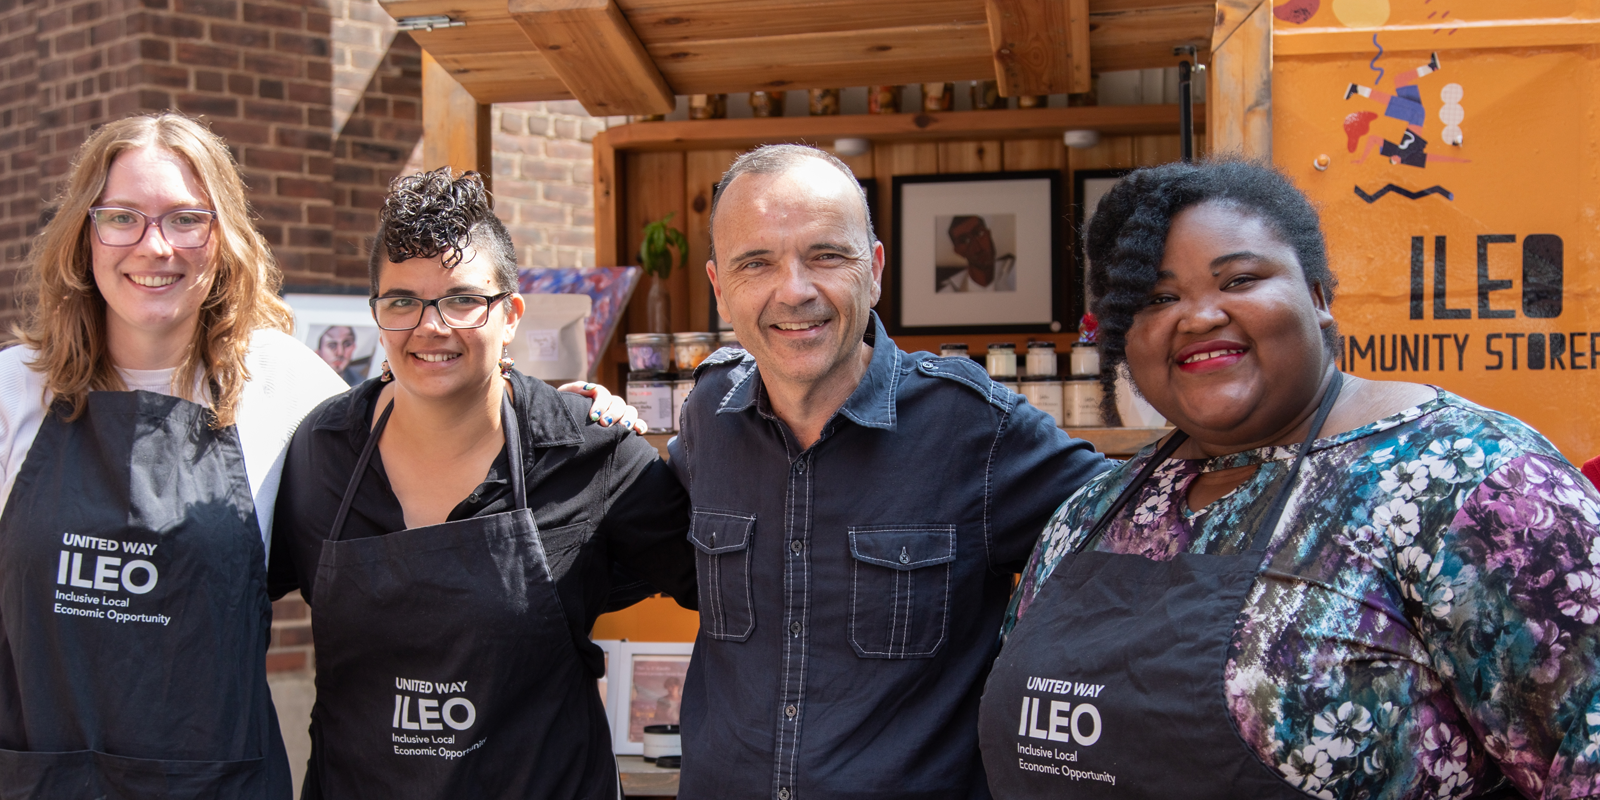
(472, 498)
(790, 712)
(800, 467)
(783, 793)
(794, 628)
(796, 546)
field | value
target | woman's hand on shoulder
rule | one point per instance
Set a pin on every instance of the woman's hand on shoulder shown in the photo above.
(607, 409)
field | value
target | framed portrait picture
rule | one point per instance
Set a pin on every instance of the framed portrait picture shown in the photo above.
(979, 251)
(1088, 186)
(338, 326)
(646, 688)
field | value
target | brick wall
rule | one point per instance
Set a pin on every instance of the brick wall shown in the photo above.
(290, 650)
(19, 175)
(544, 181)
(258, 71)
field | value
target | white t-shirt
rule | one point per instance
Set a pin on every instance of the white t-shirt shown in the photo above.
(287, 380)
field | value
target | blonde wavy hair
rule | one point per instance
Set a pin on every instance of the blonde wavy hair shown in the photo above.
(67, 325)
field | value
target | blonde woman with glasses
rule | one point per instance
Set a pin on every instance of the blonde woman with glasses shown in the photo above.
(143, 423)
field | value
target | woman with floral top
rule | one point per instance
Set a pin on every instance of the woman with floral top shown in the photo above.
(1320, 585)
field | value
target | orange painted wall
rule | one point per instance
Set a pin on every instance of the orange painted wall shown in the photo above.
(1524, 179)
(657, 619)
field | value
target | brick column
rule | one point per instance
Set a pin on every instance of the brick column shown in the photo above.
(258, 72)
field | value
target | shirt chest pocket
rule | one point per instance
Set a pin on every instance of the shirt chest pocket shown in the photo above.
(900, 589)
(722, 541)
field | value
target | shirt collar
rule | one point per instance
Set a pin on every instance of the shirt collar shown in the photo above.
(871, 405)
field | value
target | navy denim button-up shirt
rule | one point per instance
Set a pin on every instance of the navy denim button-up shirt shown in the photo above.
(851, 592)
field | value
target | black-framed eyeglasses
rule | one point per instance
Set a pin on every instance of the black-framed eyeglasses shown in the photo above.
(457, 311)
(184, 228)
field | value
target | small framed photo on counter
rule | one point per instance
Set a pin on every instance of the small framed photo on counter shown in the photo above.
(980, 251)
(339, 327)
(645, 681)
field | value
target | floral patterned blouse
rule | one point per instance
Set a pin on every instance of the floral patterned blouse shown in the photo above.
(1426, 621)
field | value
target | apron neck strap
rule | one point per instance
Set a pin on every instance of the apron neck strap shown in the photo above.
(1177, 438)
(1269, 523)
(513, 433)
(508, 421)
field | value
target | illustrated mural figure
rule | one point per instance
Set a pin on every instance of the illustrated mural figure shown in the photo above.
(1404, 105)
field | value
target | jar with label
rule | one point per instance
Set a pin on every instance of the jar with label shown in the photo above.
(689, 349)
(1085, 360)
(1044, 393)
(729, 339)
(650, 393)
(680, 393)
(1081, 403)
(953, 350)
(1042, 359)
(649, 352)
(1002, 361)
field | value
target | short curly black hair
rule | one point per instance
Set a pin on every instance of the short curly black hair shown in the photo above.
(1127, 238)
(433, 214)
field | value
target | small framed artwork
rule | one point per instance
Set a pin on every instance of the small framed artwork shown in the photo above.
(979, 251)
(613, 651)
(338, 326)
(646, 688)
(1088, 186)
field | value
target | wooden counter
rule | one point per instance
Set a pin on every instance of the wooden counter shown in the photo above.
(641, 778)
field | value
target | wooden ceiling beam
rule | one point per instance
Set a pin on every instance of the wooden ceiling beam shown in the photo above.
(589, 44)
(1039, 46)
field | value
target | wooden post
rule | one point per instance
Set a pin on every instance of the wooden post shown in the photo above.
(1239, 109)
(455, 126)
(607, 202)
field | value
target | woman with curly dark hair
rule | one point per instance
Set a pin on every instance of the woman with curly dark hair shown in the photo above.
(453, 525)
(1319, 585)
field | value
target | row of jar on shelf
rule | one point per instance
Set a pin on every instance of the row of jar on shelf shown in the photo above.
(661, 373)
(1073, 400)
(885, 99)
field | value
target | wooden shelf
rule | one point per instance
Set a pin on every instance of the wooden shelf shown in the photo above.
(1010, 123)
(1114, 442)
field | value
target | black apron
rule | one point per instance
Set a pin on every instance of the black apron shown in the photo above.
(134, 608)
(1112, 684)
(445, 665)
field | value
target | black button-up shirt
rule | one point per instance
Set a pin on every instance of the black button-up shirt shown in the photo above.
(851, 593)
(600, 496)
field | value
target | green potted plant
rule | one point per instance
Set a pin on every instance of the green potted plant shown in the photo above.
(655, 256)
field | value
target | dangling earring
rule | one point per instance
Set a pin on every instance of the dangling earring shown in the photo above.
(387, 374)
(506, 362)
